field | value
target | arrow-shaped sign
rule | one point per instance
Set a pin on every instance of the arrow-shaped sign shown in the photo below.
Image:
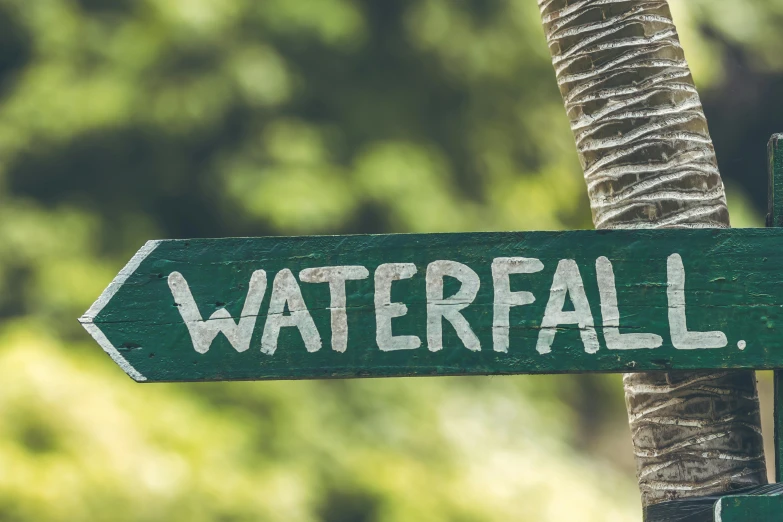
(445, 304)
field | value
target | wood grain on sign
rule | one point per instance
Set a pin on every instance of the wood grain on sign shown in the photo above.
(445, 304)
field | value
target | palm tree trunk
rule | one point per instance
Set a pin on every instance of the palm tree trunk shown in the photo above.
(649, 162)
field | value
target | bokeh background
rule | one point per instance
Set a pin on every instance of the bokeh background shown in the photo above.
(126, 120)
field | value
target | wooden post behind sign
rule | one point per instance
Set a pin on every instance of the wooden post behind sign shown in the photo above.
(775, 219)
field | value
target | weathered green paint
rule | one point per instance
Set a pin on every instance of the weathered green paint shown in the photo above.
(775, 220)
(734, 284)
(748, 508)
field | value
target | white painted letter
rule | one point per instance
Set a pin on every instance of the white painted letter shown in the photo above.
(611, 314)
(285, 291)
(202, 333)
(567, 280)
(439, 308)
(505, 298)
(336, 276)
(682, 339)
(385, 310)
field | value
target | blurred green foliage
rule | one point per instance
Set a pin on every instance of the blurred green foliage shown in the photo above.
(125, 120)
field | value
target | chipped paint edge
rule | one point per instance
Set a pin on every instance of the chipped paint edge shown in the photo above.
(87, 320)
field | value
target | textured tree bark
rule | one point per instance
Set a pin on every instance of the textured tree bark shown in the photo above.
(648, 162)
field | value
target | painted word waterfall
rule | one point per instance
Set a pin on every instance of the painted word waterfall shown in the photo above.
(287, 308)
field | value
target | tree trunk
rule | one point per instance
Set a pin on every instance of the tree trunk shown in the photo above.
(649, 162)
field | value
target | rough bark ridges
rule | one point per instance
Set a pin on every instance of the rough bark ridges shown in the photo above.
(649, 162)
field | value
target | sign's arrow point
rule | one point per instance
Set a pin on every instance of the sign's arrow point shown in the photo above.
(88, 319)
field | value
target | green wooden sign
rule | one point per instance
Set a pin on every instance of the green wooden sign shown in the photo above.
(741, 508)
(445, 304)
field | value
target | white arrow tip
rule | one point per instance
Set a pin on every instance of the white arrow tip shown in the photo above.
(88, 319)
